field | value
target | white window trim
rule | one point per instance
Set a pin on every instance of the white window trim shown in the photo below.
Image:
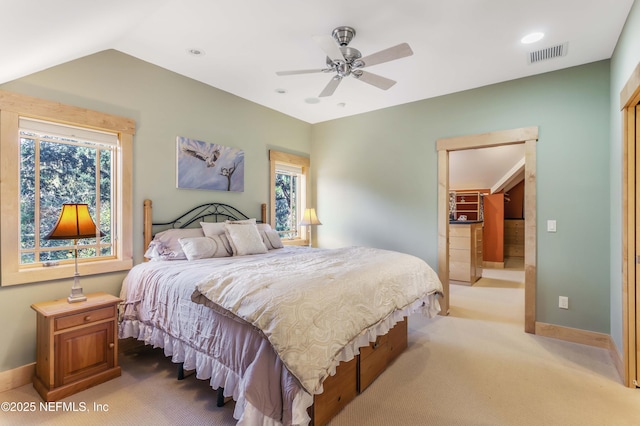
(295, 162)
(12, 107)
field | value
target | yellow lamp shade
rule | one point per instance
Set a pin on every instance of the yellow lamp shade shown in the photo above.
(74, 223)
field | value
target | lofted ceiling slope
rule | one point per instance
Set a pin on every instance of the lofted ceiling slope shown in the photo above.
(457, 44)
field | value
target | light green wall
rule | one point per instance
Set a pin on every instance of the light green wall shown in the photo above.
(624, 60)
(164, 105)
(376, 177)
(376, 173)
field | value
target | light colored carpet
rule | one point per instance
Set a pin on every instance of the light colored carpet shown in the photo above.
(473, 367)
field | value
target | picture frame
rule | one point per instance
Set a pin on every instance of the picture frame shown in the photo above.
(208, 166)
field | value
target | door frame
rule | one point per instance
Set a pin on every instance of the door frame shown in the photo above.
(528, 136)
(629, 98)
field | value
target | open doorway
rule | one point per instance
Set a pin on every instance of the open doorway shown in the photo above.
(529, 137)
(486, 192)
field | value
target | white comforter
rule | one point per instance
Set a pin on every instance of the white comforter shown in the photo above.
(317, 307)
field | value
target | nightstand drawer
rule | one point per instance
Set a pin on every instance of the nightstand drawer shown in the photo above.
(82, 318)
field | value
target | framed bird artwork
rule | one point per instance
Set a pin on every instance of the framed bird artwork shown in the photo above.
(210, 166)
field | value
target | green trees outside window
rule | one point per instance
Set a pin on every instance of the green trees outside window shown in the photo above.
(56, 170)
(287, 204)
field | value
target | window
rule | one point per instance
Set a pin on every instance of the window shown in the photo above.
(63, 164)
(85, 160)
(288, 194)
(289, 180)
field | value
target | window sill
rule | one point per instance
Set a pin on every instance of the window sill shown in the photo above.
(295, 242)
(50, 273)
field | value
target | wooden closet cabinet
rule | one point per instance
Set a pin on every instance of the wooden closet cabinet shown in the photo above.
(77, 345)
(514, 237)
(465, 252)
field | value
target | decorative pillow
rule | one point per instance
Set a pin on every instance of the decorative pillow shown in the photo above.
(244, 238)
(263, 227)
(212, 228)
(166, 244)
(251, 221)
(260, 226)
(271, 239)
(206, 247)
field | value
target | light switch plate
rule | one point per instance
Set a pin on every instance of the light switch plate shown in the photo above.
(563, 302)
(551, 225)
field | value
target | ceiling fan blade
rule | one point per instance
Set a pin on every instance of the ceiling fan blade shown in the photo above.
(302, 71)
(396, 52)
(375, 80)
(331, 87)
(330, 47)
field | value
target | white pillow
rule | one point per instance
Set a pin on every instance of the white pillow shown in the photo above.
(206, 247)
(218, 228)
(212, 228)
(271, 239)
(251, 221)
(166, 244)
(244, 238)
(263, 227)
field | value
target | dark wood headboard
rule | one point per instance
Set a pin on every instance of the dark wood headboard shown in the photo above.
(209, 212)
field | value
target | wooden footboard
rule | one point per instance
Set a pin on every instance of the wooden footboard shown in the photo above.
(355, 376)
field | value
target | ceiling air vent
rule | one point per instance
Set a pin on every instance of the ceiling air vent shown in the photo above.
(548, 53)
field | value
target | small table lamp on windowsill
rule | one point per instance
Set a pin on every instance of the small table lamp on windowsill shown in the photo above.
(75, 223)
(310, 219)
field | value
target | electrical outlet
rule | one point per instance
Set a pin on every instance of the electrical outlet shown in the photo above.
(563, 302)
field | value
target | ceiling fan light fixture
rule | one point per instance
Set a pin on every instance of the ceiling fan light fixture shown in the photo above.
(347, 61)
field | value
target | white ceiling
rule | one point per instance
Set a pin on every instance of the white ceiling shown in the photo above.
(486, 168)
(457, 44)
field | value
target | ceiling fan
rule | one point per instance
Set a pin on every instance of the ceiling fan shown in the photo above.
(344, 60)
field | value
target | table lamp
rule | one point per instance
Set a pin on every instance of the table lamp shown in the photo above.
(308, 219)
(75, 223)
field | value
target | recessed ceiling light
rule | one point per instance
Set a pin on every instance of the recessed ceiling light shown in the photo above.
(531, 38)
(281, 91)
(312, 100)
(195, 52)
(341, 105)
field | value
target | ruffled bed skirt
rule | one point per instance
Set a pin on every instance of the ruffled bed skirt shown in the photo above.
(207, 368)
(219, 375)
(428, 306)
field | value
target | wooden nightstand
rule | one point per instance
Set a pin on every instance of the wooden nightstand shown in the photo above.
(77, 345)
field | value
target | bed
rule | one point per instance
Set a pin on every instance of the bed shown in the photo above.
(291, 333)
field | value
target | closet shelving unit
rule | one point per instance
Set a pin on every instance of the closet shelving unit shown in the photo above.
(465, 203)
